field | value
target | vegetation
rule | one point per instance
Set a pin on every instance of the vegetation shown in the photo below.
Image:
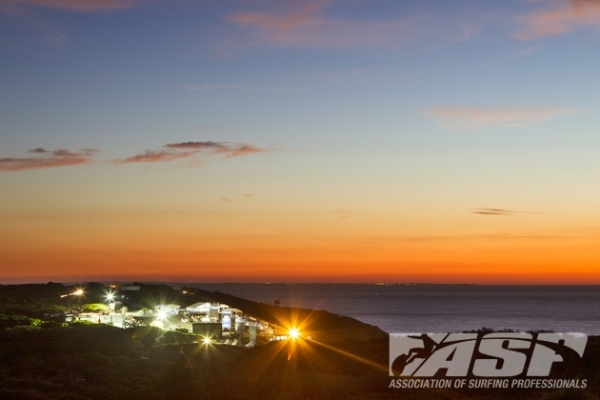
(78, 361)
(95, 307)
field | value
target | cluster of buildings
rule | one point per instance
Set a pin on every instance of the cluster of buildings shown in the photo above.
(215, 322)
(218, 323)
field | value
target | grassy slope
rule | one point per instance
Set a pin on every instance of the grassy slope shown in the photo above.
(144, 363)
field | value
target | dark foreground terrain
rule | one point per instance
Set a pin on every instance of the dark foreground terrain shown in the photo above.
(344, 359)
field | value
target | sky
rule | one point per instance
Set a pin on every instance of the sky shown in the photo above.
(300, 141)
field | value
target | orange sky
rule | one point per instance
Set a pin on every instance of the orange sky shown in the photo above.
(300, 141)
(150, 247)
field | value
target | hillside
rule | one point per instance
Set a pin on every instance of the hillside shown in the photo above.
(319, 325)
(344, 359)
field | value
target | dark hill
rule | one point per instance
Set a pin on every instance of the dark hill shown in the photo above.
(319, 325)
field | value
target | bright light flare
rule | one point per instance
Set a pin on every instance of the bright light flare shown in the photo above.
(161, 315)
(206, 340)
(294, 333)
(157, 324)
(110, 297)
(78, 292)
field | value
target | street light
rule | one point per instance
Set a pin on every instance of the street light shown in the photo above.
(294, 333)
(78, 293)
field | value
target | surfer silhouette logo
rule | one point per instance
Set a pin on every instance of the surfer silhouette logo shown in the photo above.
(415, 353)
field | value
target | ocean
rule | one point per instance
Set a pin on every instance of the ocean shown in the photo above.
(438, 308)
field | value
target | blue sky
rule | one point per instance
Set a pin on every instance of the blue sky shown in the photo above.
(399, 119)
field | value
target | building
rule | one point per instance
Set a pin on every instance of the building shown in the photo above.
(171, 309)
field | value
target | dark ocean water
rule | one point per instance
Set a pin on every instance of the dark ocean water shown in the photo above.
(439, 308)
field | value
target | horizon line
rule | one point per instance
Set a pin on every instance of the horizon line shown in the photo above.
(266, 283)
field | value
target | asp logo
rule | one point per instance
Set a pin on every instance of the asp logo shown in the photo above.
(501, 354)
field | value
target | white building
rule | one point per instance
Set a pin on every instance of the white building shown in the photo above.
(198, 308)
(172, 309)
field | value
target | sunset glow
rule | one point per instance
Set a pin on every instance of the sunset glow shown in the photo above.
(313, 141)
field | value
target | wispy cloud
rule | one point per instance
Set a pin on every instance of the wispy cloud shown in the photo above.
(74, 5)
(307, 13)
(196, 152)
(568, 17)
(467, 118)
(492, 211)
(150, 156)
(42, 158)
(225, 148)
(499, 211)
(305, 24)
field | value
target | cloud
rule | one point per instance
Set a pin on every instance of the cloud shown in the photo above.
(155, 156)
(47, 159)
(193, 151)
(305, 24)
(225, 148)
(498, 211)
(247, 195)
(74, 5)
(225, 199)
(196, 153)
(467, 118)
(492, 211)
(307, 14)
(569, 17)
